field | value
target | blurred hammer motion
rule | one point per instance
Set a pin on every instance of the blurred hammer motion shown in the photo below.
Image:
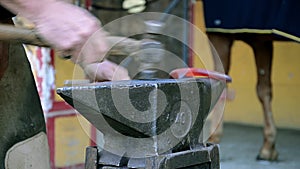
(121, 45)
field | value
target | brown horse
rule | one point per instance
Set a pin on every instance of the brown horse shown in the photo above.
(262, 46)
(258, 24)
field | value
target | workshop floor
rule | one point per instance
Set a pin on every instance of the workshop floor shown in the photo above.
(240, 145)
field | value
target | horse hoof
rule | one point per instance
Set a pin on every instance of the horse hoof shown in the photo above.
(267, 156)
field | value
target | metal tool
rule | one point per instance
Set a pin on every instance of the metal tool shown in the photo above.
(151, 52)
(196, 72)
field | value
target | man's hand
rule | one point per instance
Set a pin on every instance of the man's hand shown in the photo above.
(65, 26)
(106, 70)
(71, 30)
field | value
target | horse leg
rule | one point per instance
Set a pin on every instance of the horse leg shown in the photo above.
(263, 51)
(222, 44)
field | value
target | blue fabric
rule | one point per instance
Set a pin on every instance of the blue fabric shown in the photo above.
(282, 15)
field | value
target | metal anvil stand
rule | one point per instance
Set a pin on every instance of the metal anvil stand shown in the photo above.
(198, 158)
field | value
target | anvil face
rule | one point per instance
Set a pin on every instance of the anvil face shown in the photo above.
(147, 108)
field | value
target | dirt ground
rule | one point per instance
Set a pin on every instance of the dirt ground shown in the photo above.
(240, 145)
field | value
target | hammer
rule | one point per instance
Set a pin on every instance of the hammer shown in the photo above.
(123, 46)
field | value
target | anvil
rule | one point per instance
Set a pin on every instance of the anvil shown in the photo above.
(168, 112)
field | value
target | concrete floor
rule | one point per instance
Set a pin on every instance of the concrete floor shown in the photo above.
(240, 145)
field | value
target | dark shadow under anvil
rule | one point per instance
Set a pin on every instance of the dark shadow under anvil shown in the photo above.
(144, 118)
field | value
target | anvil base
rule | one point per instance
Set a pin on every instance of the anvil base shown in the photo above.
(198, 158)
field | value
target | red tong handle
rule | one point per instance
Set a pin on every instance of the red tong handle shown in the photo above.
(194, 72)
